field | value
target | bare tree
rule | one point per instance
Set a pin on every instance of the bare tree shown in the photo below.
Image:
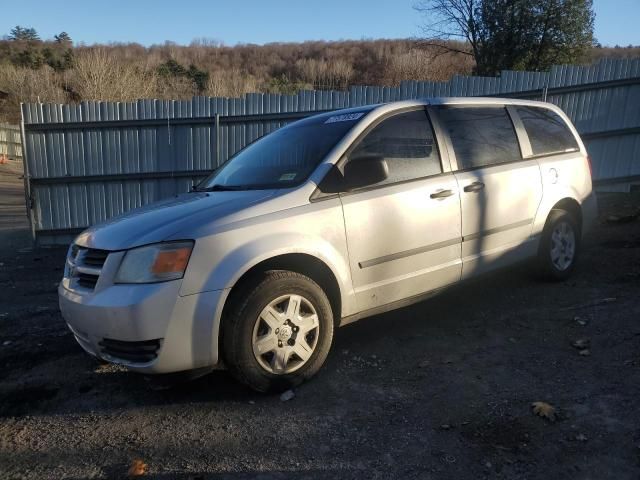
(447, 20)
(424, 64)
(510, 34)
(325, 74)
(28, 85)
(98, 75)
(231, 83)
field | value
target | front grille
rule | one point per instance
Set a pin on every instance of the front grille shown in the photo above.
(134, 352)
(87, 280)
(86, 265)
(94, 258)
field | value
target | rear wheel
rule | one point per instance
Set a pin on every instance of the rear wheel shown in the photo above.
(279, 331)
(559, 246)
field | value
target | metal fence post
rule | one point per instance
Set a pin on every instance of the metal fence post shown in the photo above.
(217, 127)
(28, 200)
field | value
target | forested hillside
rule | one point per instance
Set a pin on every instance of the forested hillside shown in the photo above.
(57, 70)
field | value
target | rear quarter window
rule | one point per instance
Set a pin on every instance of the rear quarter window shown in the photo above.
(548, 133)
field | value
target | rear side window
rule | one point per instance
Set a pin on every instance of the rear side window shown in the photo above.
(407, 143)
(547, 132)
(480, 136)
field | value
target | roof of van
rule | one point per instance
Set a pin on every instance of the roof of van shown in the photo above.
(383, 108)
(466, 101)
(391, 106)
(483, 101)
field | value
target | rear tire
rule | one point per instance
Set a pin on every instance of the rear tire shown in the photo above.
(278, 332)
(559, 246)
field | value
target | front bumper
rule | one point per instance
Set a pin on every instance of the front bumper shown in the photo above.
(185, 329)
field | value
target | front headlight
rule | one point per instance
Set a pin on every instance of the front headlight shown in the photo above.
(155, 263)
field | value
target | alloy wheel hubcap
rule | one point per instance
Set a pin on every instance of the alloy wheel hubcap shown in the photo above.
(285, 334)
(563, 246)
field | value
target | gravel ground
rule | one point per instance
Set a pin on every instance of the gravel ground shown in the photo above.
(442, 389)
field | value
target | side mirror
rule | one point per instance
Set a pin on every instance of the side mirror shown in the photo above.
(365, 170)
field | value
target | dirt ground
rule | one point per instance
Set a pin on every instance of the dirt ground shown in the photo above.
(13, 219)
(442, 389)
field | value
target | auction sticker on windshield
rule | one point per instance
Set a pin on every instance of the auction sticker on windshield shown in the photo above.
(287, 177)
(347, 117)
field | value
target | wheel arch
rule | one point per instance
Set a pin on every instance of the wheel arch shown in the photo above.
(571, 206)
(559, 199)
(303, 263)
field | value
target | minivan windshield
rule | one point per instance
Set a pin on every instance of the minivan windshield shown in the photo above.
(286, 157)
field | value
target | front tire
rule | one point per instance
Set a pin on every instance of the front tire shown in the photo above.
(559, 246)
(278, 331)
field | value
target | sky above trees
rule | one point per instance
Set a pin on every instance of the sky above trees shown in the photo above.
(256, 21)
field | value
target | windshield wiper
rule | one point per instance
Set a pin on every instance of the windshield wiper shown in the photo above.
(222, 188)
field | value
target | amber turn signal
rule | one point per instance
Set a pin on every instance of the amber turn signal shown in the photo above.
(169, 261)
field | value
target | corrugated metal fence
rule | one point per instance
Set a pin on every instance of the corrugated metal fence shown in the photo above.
(91, 161)
(10, 144)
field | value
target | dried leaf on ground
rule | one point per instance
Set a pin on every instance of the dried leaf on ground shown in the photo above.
(581, 321)
(544, 410)
(585, 353)
(137, 468)
(286, 396)
(581, 343)
(424, 364)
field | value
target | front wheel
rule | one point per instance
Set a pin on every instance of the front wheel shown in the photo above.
(559, 246)
(278, 332)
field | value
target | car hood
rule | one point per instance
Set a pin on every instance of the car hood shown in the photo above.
(174, 217)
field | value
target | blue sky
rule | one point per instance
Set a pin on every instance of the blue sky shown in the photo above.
(257, 21)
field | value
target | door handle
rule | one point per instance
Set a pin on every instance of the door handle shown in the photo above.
(441, 194)
(474, 187)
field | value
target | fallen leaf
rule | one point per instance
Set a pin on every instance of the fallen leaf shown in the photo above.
(581, 437)
(137, 468)
(544, 410)
(424, 364)
(585, 353)
(581, 321)
(581, 343)
(286, 396)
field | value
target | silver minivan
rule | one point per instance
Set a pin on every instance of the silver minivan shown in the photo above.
(325, 221)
